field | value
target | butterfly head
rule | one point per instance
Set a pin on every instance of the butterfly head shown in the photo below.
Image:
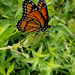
(46, 27)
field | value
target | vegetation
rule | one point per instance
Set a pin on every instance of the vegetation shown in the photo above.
(43, 53)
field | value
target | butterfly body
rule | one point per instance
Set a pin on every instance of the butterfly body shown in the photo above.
(33, 18)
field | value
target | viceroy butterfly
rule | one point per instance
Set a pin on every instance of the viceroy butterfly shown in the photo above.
(34, 18)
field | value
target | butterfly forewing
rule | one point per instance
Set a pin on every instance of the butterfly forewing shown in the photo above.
(43, 8)
(31, 10)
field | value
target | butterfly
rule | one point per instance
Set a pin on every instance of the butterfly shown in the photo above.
(34, 18)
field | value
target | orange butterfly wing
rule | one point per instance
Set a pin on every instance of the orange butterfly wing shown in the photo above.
(29, 25)
(31, 10)
(43, 8)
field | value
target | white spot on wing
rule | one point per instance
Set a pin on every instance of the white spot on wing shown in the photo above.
(35, 8)
(29, 1)
(24, 15)
(44, 2)
(25, 6)
(32, 3)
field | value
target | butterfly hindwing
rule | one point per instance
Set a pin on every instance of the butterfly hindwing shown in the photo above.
(31, 10)
(43, 8)
(28, 25)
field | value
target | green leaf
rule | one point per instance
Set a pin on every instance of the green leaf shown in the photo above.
(40, 49)
(8, 60)
(35, 64)
(3, 57)
(5, 16)
(4, 28)
(67, 6)
(30, 60)
(11, 68)
(2, 70)
(6, 33)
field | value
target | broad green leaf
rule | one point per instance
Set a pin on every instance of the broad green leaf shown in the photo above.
(4, 28)
(7, 33)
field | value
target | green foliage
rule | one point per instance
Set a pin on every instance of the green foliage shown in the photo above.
(49, 53)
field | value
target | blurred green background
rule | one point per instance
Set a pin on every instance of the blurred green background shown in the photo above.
(49, 53)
